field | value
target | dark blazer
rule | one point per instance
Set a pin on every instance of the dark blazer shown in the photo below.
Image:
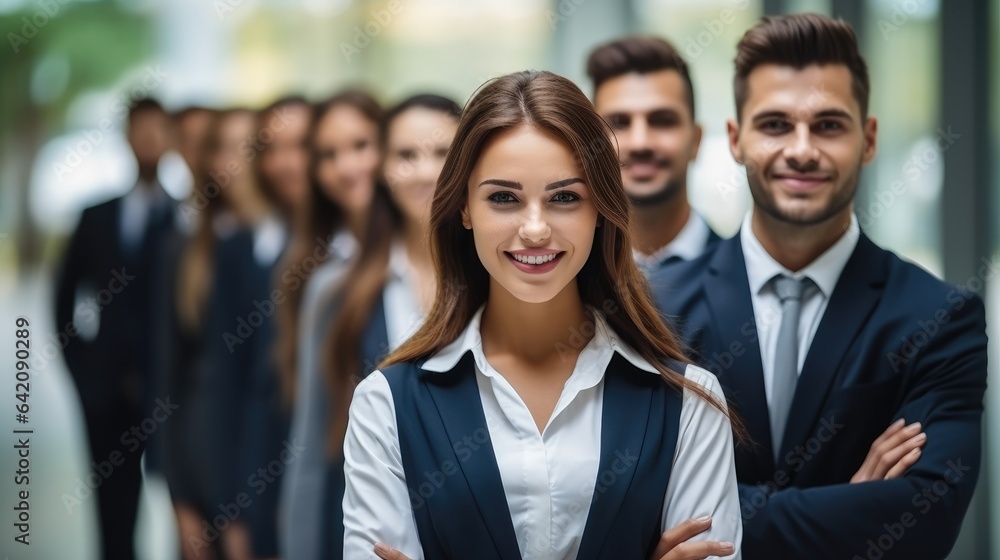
(894, 342)
(249, 423)
(112, 368)
(711, 243)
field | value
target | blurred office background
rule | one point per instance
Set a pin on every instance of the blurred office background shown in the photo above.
(69, 67)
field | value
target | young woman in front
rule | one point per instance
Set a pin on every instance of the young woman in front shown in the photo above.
(543, 410)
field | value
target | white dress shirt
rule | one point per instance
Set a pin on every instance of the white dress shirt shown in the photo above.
(824, 273)
(548, 477)
(269, 237)
(135, 210)
(689, 244)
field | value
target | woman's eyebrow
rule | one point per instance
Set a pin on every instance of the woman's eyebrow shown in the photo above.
(518, 186)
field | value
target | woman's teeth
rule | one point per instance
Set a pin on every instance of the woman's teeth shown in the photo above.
(541, 259)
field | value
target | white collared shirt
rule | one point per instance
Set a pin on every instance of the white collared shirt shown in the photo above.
(403, 314)
(135, 210)
(689, 244)
(546, 476)
(824, 273)
(268, 240)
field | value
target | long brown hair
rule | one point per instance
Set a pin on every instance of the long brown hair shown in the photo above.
(610, 275)
(206, 203)
(364, 283)
(319, 219)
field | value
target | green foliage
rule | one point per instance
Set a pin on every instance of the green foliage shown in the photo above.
(99, 41)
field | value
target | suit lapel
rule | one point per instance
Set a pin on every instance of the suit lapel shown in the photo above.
(854, 298)
(623, 432)
(456, 396)
(727, 291)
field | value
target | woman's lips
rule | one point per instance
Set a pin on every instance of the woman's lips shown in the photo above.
(540, 268)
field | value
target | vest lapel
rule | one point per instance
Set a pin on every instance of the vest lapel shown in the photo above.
(456, 396)
(623, 431)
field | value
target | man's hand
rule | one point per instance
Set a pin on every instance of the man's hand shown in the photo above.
(896, 450)
(674, 546)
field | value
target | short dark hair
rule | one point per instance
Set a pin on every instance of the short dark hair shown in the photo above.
(145, 104)
(641, 54)
(799, 40)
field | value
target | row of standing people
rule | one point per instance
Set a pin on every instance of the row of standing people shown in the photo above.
(309, 264)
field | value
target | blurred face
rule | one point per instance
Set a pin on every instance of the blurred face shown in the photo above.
(347, 157)
(657, 137)
(191, 131)
(416, 146)
(803, 142)
(227, 163)
(149, 136)
(284, 160)
(530, 213)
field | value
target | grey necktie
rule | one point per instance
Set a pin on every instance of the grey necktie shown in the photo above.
(786, 356)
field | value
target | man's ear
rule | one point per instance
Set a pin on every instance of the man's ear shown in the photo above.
(871, 140)
(733, 131)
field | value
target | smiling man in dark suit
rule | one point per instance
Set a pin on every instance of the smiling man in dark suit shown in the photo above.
(113, 261)
(860, 376)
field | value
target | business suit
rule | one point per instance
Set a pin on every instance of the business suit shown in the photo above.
(248, 423)
(695, 239)
(894, 342)
(112, 371)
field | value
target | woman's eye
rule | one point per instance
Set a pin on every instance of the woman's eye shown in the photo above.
(502, 197)
(407, 155)
(565, 197)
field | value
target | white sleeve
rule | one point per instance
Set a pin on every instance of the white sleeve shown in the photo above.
(703, 478)
(376, 500)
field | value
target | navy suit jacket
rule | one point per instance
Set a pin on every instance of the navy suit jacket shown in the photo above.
(894, 342)
(248, 423)
(112, 370)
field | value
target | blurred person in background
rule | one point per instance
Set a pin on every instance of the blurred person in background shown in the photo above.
(190, 128)
(250, 231)
(113, 258)
(344, 155)
(207, 215)
(282, 172)
(367, 307)
(643, 89)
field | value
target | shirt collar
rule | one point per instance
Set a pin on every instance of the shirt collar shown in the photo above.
(824, 271)
(593, 360)
(399, 260)
(689, 243)
(268, 240)
(343, 245)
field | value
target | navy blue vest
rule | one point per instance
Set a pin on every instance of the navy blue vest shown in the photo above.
(454, 482)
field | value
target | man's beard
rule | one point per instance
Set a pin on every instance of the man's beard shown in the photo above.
(670, 190)
(764, 199)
